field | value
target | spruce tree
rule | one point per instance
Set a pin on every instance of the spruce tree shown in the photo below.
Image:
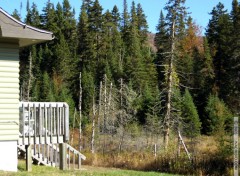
(217, 115)
(219, 36)
(191, 122)
(233, 70)
(142, 25)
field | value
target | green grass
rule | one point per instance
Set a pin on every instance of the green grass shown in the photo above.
(85, 171)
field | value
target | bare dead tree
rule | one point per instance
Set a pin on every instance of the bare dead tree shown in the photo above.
(167, 118)
(99, 106)
(80, 111)
(93, 126)
(121, 116)
(105, 112)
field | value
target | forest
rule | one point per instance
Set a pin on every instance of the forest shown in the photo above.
(129, 92)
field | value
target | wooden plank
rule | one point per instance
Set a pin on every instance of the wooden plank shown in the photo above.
(10, 69)
(7, 126)
(12, 90)
(66, 119)
(9, 137)
(9, 101)
(57, 123)
(50, 119)
(28, 149)
(10, 96)
(40, 123)
(8, 80)
(9, 106)
(9, 85)
(45, 122)
(10, 111)
(8, 61)
(29, 115)
(9, 132)
(74, 160)
(69, 158)
(63, 156)
(35, 123)
(22, 122)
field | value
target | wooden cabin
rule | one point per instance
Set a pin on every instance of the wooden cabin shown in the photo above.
(28, 126)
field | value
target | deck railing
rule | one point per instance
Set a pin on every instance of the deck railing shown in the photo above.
(43, 123)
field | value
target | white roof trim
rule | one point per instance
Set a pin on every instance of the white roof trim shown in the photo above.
(23, 24)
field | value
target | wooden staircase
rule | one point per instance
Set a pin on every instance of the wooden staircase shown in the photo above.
(48, 155)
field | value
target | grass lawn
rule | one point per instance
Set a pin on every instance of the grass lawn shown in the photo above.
(85, 171)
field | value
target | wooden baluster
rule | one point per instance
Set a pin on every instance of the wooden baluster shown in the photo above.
(40, 124)
(23, 122)
(34, 123)
(73, 160)
(50, 121)
(45, 120)
(57, 123)
(29, 114)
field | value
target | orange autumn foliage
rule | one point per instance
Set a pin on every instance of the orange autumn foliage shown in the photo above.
(192, 40)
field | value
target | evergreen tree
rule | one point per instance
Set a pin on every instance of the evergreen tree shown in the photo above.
(219, 36)
(217, 115)
(142, 25)
(69, 29)
(161, 41)
(191, 122)
(233, 67)
(16, 15)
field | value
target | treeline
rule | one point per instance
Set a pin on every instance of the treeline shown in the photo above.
(124, 81)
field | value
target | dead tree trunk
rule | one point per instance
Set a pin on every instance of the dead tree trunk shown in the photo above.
(105, 113)
(80, 111)
(168, 116)
(99, 106)
(109, 108)
(121, 116)
(93, 127)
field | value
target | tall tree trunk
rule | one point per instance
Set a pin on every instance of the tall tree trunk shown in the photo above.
(168, 115)
(99, 106)
(93, 127)
(105, 112)
(109, 104)
(80, 111)
(121, 116)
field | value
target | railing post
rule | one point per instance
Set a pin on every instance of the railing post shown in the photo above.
(66, 120)
(28, 158)
(63, 156)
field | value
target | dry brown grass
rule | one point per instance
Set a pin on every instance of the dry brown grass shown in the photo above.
(207, 158)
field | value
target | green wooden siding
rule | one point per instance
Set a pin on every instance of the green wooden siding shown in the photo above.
(9, 92)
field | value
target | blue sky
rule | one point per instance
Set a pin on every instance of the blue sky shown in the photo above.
(199, 8)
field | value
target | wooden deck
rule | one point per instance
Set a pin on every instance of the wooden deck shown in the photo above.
(43, 123)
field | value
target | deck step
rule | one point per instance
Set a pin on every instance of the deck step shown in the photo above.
(40, 159)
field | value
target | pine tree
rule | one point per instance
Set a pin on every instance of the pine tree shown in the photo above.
(233, 67)
(16, 15)
(161, 41)
(217, 115)
(219, 36)
(191, 122)
(69, 29)
(142, 25)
